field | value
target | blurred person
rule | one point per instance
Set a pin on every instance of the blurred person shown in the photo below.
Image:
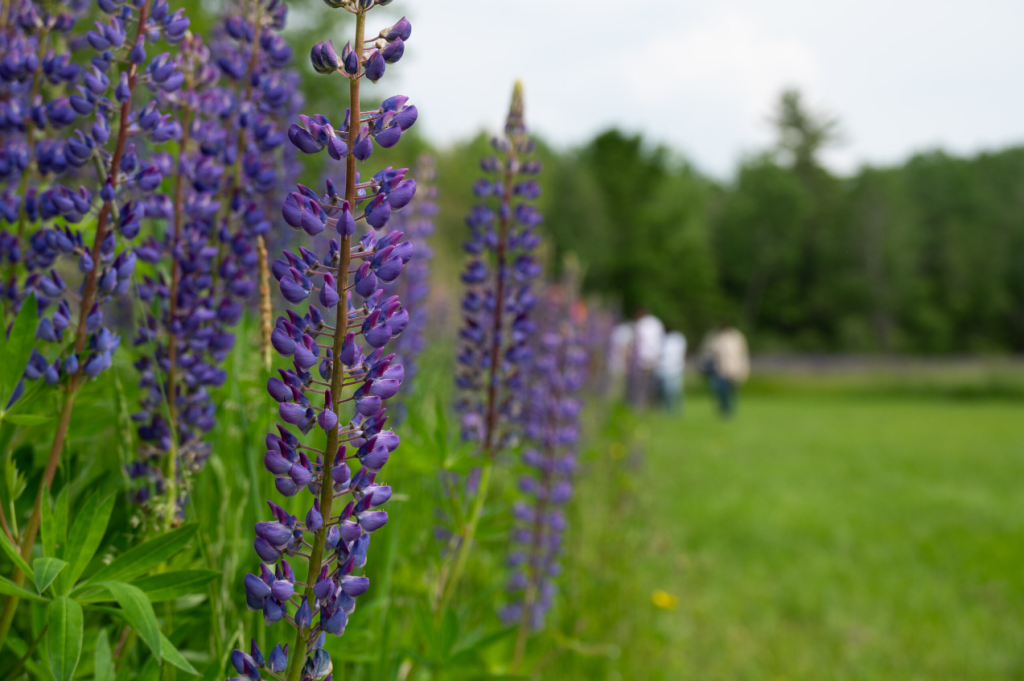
(671, 365)
(648, 337)
(725, 360)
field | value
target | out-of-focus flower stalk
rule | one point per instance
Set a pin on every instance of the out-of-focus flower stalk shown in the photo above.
(491, 347)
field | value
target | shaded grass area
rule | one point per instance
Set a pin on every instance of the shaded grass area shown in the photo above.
(833, 537)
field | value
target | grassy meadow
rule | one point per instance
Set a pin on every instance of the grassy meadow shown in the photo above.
(831, 536)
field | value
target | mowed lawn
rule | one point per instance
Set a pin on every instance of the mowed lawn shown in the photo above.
(835, 538)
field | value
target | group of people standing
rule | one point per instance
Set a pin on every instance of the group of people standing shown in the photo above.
(652, 362)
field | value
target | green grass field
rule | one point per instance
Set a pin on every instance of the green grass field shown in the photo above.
(823, 538)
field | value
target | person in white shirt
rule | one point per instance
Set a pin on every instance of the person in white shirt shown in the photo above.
(648, 336)
(671, 366)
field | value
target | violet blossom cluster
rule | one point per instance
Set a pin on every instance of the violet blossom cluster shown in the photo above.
(36, 75)
(234, 111)
(103, 160)
(417, 223)
(337, 356)
(550, 419)
(496, 305)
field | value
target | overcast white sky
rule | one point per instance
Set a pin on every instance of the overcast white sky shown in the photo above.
(902, 75)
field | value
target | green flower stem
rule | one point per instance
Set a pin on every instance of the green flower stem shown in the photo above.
(298, 650)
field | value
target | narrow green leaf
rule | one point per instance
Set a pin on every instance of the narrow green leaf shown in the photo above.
(11, 589)
(103, 664)
(145, 557)
(171, 585)
(18, 348)
(162, 587)
(86, 534)
(64, 637)
(171, 654)
(12, 552)
(27, 419)
(138, 611)
(45, 571)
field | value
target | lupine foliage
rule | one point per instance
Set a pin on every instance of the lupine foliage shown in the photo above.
(143, 178)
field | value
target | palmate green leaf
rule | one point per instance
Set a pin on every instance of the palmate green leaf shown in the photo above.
(45, 570)
(103, 663)
(11, 589)
(12, 552)
(138, 611)
(86, 535)
(171, 654)
(64, 637)
(16, 349)
(145, 557)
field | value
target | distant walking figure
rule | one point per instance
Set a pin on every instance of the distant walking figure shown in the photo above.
(726, 362)
(648, 336)
(671, 365)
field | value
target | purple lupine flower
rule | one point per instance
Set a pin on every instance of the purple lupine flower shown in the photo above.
(86, 170)
(496, 306)
(34, 124)
(114, 176)
(417, 223)
(331, 366)
(226, 181)
(553, 379)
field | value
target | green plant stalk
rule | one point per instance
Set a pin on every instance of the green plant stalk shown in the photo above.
(27, 656)
(468, 536)
(76, 381)
(298, 651)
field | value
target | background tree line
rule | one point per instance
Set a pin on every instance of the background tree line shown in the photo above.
(923, 257)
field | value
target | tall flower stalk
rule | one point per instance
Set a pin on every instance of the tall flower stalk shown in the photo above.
(496, 307)
(227, 168)
(550, 418)
(121, 190)
(344, 277)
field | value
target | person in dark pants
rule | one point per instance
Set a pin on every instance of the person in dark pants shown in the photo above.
(725, 361)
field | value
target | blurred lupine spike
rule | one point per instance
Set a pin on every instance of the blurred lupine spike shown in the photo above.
(553, 379)
(496, 306)
(496, 327)
(360, 372)
(230, 170)
(416, 223)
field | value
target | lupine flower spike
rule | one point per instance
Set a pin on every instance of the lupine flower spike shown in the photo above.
(109, 140)
(496, 327)
(550, 418)
(225, 173)
(337, 351)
